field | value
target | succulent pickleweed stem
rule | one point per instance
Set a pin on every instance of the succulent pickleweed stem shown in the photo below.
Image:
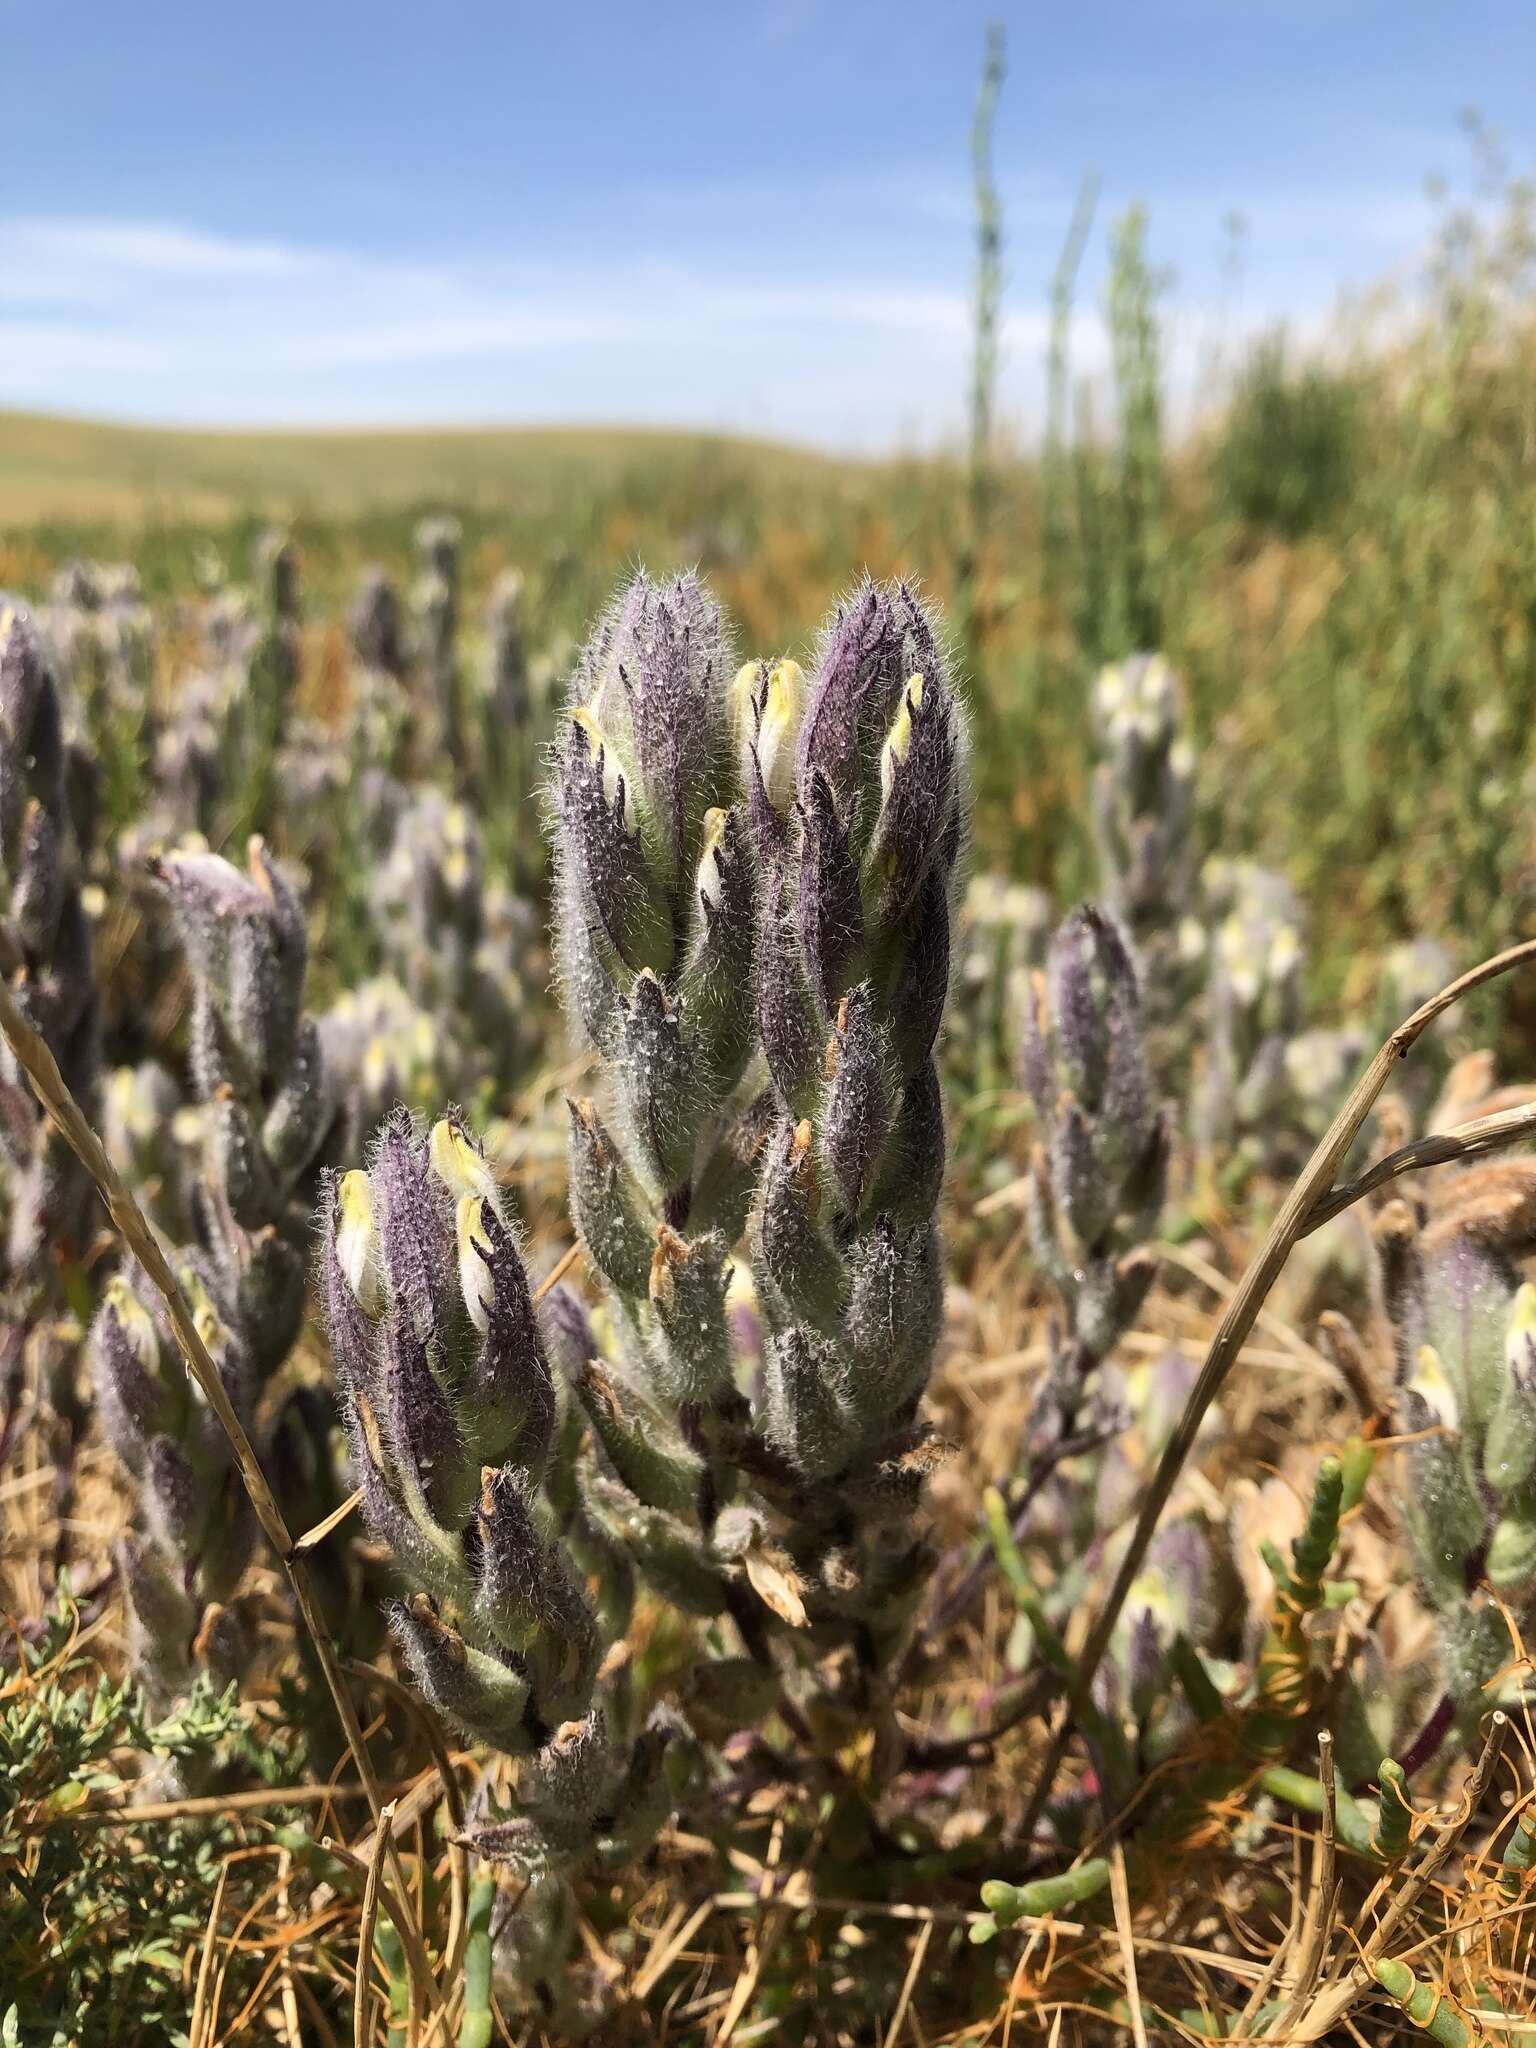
(33, 1055)
(1289, 1226)
(1335, 1999)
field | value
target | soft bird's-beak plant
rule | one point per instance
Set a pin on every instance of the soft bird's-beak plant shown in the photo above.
(52, 972)
(49, 967)
(270, 1106)
(755, 875)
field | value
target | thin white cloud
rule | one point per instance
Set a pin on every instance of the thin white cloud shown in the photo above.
(154, 319)
(152, 249)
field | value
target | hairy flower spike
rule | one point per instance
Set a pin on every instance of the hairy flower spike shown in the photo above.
(753, 892)
(1143, 799)
(260, 1066)
(461, 948)
(435, 603)
(1100, 1160)
(377, 626)
(444, 1368)
(200, 1528)
(43, 841)
(1464, 1325)
(1254, 1009)
(505, 684)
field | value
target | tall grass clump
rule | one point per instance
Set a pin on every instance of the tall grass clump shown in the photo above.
(1287, 452)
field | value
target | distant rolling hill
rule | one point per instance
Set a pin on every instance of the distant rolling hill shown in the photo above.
(68, 469)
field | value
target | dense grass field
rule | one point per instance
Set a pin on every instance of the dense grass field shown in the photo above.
(82, 471)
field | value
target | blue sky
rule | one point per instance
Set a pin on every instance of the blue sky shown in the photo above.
(753, 214)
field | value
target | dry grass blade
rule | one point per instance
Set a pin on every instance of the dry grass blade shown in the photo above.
(557, 1272)
(253, 1800)
(292, 2033)
(313, 1538)
(324, 2032)
(412, 1808)
(1321, 1894)
(1265, 1982)
(886, 1909)
(453, 1799)
(195, 2030)
(666, 1953)
(909, 1984)
(1120, 1896)
(362, 1995)
(1314, 1184)
(48, 1083)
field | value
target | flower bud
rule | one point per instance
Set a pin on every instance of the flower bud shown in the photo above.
(475, 1260)
(715, 988)
(137, 1401)
(605, 851)
(481, 1693)
(803, 1417)
(526, 1595)
(1164, 1603)
(920, 768)
(670, 657)
(777, 707)
(647, 1455)
(876, 642)
(1143, 789)
(605, 1205)
(357, 1241)
(831, 910)
(791, 1254)
(663, 1105)
(786, 1021)
(459, 1163)
(856, 1111)
(1512, 1555)
(164, 1618)
(1102, 1150)
(894, 1314)
(668, 1551)
(245, 944)
(688, 1280)
(1509, 1450)
(376, 625)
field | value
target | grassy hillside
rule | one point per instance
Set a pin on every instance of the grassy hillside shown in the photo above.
(54, 469)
